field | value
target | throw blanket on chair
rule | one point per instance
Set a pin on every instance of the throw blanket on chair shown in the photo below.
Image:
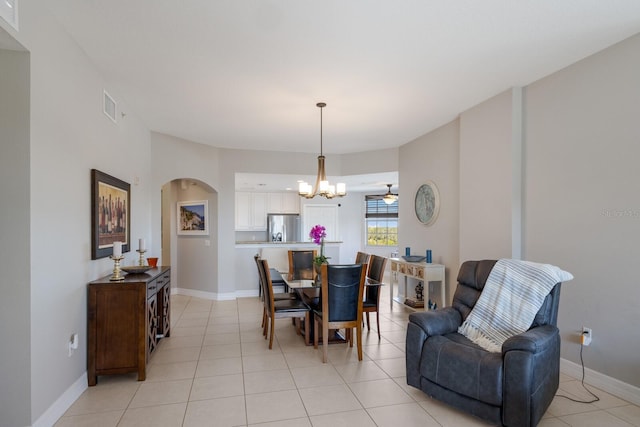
(512, 295)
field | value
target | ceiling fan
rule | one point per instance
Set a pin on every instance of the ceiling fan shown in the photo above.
(389, 197)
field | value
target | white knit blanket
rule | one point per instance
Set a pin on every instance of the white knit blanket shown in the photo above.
(514, 292)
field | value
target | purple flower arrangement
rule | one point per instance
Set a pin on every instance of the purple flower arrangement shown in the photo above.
(317, 234)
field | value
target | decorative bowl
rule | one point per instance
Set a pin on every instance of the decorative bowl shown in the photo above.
(413, 258)
(136, 269)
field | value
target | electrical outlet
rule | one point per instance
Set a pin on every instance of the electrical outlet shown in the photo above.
(73, 343)
(587, 335)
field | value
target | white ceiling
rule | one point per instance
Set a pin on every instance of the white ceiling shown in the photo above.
(248, 73)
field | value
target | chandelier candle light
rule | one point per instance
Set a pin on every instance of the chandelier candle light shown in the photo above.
(322, 188)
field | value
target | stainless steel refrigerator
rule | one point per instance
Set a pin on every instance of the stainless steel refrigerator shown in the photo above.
(283, 227)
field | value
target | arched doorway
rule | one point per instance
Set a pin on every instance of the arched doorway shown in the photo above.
(193, 256)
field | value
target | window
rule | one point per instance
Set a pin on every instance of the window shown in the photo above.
(381, 221)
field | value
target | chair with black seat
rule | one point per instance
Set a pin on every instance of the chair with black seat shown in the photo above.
(276, 296)
(362, 258)
(289, 308)
(341, 293)
(371, 302)
(481, 367)
(301, 264)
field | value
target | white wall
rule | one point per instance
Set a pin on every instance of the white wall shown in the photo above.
(15, 307)
(582, 210)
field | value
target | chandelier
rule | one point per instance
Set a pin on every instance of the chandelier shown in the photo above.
(323, 187)
(389, 197)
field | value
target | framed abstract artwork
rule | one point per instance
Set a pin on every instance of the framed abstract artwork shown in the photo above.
(110, 214)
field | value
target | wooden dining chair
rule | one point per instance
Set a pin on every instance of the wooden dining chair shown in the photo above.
(301, 264)
(276, 296)
(371, 302)
(288, 308)
(362, 258)
(341, 293)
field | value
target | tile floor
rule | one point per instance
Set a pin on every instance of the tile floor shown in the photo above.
(216, 370)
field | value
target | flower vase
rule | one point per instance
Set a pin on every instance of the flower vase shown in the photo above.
(318, 269)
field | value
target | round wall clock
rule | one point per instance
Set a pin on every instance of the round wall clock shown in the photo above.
(427, 203)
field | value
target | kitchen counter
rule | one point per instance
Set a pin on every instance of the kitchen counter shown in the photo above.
(262, 244)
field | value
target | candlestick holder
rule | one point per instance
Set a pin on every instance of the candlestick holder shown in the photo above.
(141, 252)
(115, 277)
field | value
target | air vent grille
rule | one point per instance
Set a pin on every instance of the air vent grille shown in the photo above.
(109, 106)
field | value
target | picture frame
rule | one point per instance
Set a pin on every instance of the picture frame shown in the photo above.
(110, 214)
(427, 203)
(192, 217)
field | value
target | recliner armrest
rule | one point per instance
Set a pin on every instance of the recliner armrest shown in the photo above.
(437, 322)
(535, 340)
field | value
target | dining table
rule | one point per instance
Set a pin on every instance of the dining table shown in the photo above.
(309, 291)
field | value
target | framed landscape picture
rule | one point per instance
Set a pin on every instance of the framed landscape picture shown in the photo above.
(110, 214)
(193, 217)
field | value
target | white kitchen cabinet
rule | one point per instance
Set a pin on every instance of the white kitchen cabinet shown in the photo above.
(251, 211)
(283, 203)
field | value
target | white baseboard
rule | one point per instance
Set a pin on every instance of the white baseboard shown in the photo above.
(64, 402)
(611, 385)
(228, 296)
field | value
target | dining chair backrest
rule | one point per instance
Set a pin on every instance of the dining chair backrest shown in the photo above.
(362, 258)
(263, 267)
(342, 291)
(377, 265)
(257, 259)
(301, 264)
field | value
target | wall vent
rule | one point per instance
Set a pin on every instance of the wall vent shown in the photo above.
(109, 106)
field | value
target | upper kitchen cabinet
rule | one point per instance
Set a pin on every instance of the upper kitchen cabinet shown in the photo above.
(283, 203)
(252, 208)
(251, 211)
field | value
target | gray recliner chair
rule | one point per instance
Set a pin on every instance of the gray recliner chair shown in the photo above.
(512, 388)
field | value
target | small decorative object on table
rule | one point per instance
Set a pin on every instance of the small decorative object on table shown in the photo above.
(420, 291)
(153, 262)
(136, 269)
(141, 250)
(317, 234)
(418, 301)
(116, 257)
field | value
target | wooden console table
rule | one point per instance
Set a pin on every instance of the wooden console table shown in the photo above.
(416, 270)
(125, 320)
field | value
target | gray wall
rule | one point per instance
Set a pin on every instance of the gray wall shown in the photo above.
(15, 262)
(433, 157)
(67, 136)
(486, 179)
(580, 182)
(582, 208)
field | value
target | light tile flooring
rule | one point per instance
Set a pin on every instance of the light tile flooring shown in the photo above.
(216, 370)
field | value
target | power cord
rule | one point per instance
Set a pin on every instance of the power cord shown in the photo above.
(595, 398)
